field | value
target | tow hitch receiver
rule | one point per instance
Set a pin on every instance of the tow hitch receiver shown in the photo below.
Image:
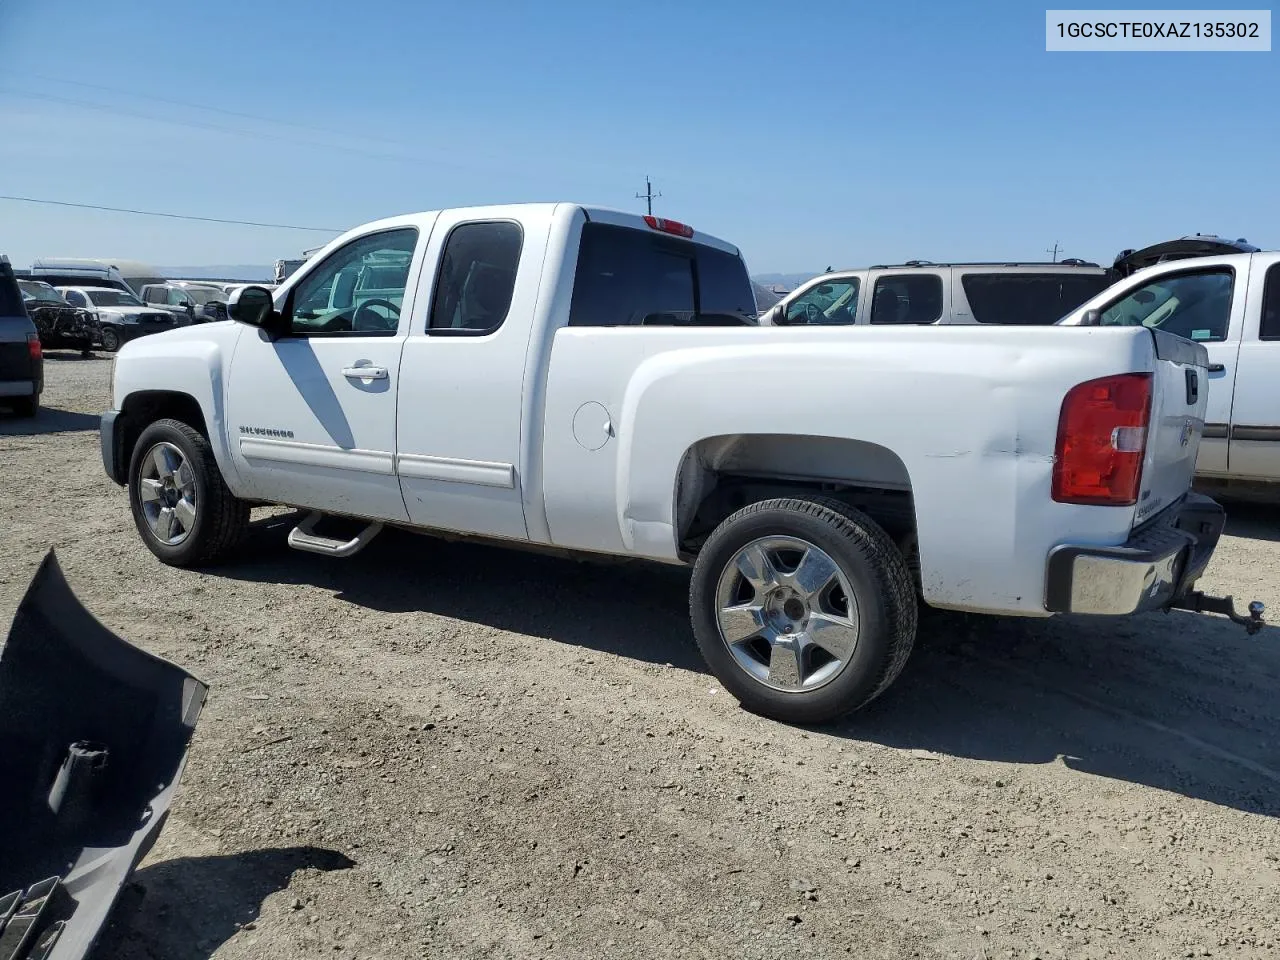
(1198, 602)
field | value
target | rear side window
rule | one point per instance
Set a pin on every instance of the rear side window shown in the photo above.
(477, 278)
(1028, 299)
(10, 295)
(907, 298)
(1195, 305)
(628, 277)
(1270, 329)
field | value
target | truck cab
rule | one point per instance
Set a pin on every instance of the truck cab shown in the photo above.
(1230, 304)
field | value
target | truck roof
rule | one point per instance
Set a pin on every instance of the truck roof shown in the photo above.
(595, 214)
(133, 268)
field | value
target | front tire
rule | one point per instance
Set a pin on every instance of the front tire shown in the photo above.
(804, 609)
(110, 339)
(181, 506)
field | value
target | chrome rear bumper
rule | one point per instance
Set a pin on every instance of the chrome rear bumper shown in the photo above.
(1157, 566)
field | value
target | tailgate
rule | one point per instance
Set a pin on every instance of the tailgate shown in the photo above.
(1178, 395)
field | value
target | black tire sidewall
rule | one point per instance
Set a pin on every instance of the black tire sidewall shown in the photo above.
(191, 548)
(111, 332)
(861, 677)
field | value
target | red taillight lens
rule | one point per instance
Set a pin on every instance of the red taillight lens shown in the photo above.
(670, 226)
(33, 346)
(1102, 437)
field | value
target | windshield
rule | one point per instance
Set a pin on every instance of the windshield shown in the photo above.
(203, 295)
(112, 298)
(137, 283)
(39, 291)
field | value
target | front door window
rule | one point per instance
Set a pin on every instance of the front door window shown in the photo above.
(834, 302)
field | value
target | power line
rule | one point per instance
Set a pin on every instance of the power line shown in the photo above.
(172, 216)
(648, 194)
(235, 131)
(274, 121)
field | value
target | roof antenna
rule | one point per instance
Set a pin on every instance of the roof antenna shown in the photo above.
(648, 196)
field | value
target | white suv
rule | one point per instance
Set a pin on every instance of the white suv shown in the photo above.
(920, 292)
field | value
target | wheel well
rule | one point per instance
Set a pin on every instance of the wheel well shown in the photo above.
(721, 475)
(145, 407)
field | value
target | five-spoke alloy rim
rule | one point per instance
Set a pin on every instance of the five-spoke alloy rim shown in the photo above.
(167, 492)
(787, 613)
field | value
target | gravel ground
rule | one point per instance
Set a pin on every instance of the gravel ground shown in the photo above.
(442, 750)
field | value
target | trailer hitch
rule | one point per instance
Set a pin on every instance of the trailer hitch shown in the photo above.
(1198, 602)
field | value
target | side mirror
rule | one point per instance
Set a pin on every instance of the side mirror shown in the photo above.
(251, 305)
(1091, 318)
(778, 316)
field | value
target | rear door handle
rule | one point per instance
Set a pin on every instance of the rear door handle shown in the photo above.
(365, 373)
(1217, 368)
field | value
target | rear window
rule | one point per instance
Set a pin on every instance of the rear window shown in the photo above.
(629, 277)
(10, 295)
(1028, 299)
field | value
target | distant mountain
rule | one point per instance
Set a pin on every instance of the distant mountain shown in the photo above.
(788, 280)
(221, 271)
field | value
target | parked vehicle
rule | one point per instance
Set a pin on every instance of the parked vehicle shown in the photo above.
(197, 302)
(127, 275)
(21, 357)
(584, 380)
(920, 292)
(1230, 305)
(120, 315)
(58, 323)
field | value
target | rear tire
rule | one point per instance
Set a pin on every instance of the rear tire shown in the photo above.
(26, 406)
(824, 618)
(110, 339)
(181, 506)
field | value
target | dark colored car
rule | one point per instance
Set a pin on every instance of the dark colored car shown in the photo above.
(21, 357)
(58, 322)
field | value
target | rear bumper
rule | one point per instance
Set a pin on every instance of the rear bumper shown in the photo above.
(19, 388)
(1157, 565)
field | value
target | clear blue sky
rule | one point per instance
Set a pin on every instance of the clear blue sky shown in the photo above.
(809, 133)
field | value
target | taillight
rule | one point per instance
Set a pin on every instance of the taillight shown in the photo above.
(33, 346)
(1102, 437)
(670, 226)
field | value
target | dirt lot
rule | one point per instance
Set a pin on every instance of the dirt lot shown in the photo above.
(441, 750)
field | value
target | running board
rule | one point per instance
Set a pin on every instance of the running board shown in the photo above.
(304, 537)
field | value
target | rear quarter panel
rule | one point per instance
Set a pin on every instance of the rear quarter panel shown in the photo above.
(971, 413)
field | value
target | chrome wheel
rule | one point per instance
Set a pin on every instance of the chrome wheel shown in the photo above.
(787, 613)
(167, 493)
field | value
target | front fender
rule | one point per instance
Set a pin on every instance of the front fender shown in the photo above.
(180, 363)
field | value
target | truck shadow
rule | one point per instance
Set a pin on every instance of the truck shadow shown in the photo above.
(186, 908)
(1178, 702)
(1256, 521)
(46, 420)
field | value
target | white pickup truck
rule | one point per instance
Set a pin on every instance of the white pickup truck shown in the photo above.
(590, 381)
(1231, 304)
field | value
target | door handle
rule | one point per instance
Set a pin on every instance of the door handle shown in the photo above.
(365, 373)
(1217, 368)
